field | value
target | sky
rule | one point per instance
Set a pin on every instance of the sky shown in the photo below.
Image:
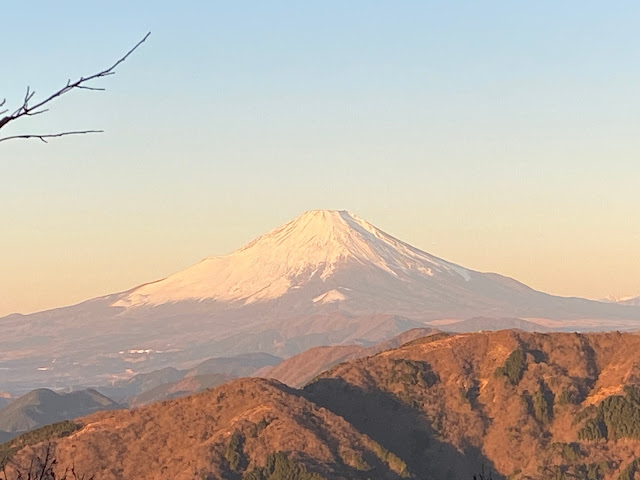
(499, 135)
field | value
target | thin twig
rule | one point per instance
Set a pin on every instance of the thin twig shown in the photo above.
(49, 135)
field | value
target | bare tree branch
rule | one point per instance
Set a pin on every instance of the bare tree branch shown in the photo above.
(43, 137)
(43, 468)
(27, 110)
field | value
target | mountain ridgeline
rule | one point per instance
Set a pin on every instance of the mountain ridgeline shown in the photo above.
(523, 405)
(43, 407)
(324, 278)
(170, 382)
(296, 371)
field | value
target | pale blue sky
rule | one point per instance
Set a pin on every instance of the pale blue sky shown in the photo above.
(499, 135)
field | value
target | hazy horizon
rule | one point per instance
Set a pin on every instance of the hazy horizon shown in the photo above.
(501, 137)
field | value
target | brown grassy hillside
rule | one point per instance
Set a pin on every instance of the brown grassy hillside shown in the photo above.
(222, 433)
(526, 405)
(435, 399)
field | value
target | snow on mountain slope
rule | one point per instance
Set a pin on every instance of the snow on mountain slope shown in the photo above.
(629, 300)
(330, 296)
(315, 244)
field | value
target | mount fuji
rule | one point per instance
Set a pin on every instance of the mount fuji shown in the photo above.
(326, 277)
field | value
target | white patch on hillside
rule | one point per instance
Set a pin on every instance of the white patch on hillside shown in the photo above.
(330, 297)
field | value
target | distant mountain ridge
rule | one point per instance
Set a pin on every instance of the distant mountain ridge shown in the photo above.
(181, 388)
(170, 382)
(477, 324)
(324, 278)
(296, 371)
(43, 407)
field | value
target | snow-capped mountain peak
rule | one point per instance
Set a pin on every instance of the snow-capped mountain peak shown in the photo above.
(314, 245)
(327, 277)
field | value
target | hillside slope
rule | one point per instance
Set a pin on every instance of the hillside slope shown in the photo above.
(530, 406)
(224, 433)
(631, 301)
(5, 399)
(43, 407)
(299, 369)
(185, 386)
(296, 371)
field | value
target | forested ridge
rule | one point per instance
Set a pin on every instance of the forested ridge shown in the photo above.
(518, 405)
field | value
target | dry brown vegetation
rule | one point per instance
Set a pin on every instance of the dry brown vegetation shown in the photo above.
(439, 407)
(296, 371)
(189, 437)
(471, 413)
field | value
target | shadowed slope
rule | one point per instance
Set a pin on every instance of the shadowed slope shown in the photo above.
(440, 395)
